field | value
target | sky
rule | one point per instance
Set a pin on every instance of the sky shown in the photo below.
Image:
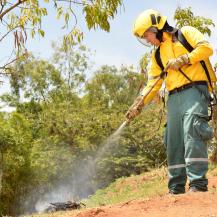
(119, 46)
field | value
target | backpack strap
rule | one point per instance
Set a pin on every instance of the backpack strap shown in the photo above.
(158, 58)
(181, 38)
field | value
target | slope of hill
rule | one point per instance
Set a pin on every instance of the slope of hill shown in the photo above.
(146, 195)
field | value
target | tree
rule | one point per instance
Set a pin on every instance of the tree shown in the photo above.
(112, 87)
(34, 79)
(38, 80)
(73, 64)
(15, 143)
(23, 19)
(68, 133)
(185, 17)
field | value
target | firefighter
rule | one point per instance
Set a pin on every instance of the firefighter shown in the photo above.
(189, 79)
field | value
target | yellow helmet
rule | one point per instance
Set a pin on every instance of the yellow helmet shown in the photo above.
(147, 19)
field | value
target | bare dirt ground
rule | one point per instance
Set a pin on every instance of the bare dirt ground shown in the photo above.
(186, 205)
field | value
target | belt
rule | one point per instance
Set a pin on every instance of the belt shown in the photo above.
(187, 86)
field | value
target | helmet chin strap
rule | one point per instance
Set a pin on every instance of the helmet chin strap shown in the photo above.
(166, 28)
(159, 35)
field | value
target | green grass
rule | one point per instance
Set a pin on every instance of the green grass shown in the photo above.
(141, 186)
(134, 187)
(212, 170)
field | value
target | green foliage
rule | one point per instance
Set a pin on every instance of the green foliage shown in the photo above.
(185, 17)
(113, 88)
(23, 19)
(99, 12)
(16, 139)
(65, 128)
(144, 61)
(29, 13)
(72, 63)
(36, 79)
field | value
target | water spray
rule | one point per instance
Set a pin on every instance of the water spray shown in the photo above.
(87, 168)
(119, 130)
(82, 176)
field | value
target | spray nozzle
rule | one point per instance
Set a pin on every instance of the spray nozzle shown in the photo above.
(127, 121)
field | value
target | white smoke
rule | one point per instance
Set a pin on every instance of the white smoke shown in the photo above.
(79, 185)
(62, 194)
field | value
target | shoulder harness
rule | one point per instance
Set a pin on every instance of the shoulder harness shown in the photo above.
(181, 38)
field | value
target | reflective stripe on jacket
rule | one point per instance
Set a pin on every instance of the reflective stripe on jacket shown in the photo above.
(170, 49)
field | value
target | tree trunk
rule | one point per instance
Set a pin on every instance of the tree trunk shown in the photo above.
(213, 158)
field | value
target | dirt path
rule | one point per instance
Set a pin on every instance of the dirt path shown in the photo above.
(186, 205)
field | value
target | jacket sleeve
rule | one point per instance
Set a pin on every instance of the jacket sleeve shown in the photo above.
(152, 87)
(202, 49)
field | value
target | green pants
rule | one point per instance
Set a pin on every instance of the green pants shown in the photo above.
(185, 138)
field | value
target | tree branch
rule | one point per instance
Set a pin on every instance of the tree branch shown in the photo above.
(2, 7)
(22, 7)
(71, 1)
(5, 66)
(11, 8)
(8, 33)
(70, 7)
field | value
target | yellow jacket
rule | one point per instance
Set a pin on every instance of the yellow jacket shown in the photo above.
(168, 50)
